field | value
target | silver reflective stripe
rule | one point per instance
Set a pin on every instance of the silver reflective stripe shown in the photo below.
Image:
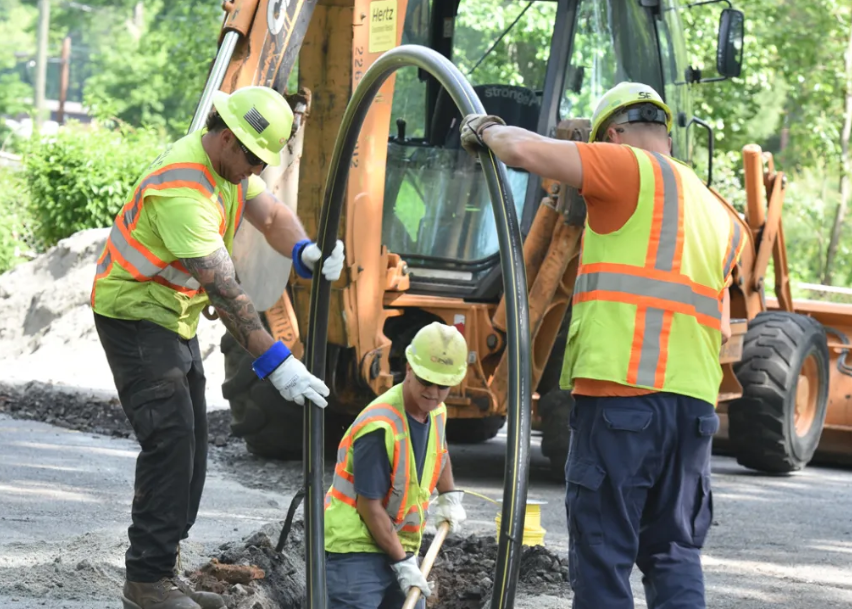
(142, 265)
(412, 518)
(182, 174)
(103, 265)
(738, 237)
(147, 268)
(650, 354)
(178, 277)
(651, 288)
(344, 487)
(671, 212)
(399, 484)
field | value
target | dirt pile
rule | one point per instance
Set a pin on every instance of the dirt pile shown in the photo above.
(47, 331)
(250, 574)
(465, 565)
(87, 412)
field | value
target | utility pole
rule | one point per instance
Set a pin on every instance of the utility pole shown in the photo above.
(41, 61)
(63, 79)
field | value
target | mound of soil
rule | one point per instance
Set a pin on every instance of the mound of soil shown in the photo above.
(465, 565)
(251, 575)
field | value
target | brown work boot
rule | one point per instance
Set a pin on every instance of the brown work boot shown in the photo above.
(207, 600)
(163, 594)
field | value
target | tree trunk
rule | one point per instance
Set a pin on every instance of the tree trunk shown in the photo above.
(845, 169)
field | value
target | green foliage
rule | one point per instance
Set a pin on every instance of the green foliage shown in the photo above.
(15, 221)
(80, 178)
(157, 78)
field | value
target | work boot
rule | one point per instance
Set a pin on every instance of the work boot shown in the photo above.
(163, 594)
(207, 600)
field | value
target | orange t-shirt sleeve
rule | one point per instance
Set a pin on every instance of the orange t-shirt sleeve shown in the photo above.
(610, 185)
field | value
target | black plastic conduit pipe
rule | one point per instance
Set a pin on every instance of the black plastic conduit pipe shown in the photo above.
(517, 316)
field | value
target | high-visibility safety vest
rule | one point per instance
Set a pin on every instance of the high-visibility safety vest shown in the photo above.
(407, 500)
(136, 278)
(647, 303)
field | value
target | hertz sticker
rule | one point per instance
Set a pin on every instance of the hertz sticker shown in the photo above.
(382, 26)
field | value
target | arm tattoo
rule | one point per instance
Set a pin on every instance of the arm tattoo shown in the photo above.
(216, 275)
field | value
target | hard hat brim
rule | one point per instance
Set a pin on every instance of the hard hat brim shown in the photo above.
(450, 380)
(220, 102)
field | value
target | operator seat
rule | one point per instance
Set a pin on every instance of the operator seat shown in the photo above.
(518, 106)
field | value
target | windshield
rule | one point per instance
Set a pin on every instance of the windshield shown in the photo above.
(436, 202)
(614, 41)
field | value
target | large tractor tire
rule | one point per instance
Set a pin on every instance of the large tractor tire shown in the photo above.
(473, 431)
(271, 426)
(555, 410)
(776, 425)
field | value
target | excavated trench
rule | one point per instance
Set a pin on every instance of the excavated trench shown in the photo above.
(250, 573)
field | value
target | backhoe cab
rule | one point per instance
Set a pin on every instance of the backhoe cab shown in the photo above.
(418, 226)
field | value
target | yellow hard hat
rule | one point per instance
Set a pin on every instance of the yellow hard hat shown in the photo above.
(438, 353)
(260, 118)
(622, 96)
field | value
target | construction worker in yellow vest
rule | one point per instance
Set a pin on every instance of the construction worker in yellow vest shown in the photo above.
(388, 463)
(166, 258)
(649, 315)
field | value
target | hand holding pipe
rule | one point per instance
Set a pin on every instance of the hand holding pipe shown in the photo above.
(428, 561)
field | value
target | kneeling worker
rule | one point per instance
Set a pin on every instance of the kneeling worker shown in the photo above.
(388, 463)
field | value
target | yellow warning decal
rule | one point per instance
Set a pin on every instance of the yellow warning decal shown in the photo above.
(383, 15)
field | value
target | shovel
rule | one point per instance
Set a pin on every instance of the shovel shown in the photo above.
(428, 561)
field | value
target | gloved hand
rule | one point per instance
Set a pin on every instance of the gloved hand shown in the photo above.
(409, 576)
(472, 127)
(295, 383)
(450, 510)
(331, 266)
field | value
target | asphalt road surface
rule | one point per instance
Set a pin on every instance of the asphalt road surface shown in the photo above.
(65, 497)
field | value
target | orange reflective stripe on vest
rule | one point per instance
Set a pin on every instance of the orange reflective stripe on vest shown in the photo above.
(134, 257)
(734, 247)
(659, 289)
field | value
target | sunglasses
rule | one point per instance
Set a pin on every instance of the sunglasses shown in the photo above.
(251, 157)
(427, 384)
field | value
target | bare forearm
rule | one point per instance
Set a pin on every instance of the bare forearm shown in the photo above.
(380, 526)
(280, 226)
(726, 316)
(446, 481)
(216, 275)
(546, 157)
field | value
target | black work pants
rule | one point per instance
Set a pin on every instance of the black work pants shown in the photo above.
(160, 382)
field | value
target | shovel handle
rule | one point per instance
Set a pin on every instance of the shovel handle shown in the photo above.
(428, 561)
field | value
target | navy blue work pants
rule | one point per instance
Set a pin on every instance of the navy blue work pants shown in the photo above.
(363, 580)
(638, 492)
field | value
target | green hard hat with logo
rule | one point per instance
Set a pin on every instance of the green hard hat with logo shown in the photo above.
(438, 353)
(620, 98)
(260, 118)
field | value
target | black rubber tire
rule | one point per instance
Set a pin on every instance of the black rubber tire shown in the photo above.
(761, 423)
(270, 425)
(473, 431)
(555, 411)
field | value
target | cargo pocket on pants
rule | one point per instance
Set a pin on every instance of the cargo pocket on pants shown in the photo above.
(151, 407)
(583, 501)
(702, 517)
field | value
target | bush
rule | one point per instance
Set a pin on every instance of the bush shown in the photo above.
(81, 177)
(15, 222)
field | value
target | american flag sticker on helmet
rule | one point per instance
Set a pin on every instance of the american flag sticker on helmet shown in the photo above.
(256, 120)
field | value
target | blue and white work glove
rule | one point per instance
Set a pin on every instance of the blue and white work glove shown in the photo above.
(307, 253)
(450, 510)
(290, 377)
(409, 575)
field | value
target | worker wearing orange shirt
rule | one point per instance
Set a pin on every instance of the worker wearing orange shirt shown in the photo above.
(649, 316)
